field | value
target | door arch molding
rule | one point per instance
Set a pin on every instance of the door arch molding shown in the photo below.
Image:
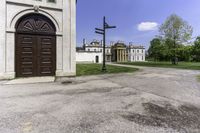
(35, 24)
(21, 14)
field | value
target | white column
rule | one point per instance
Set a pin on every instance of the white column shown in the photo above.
(117, 55)
(124, 58)
(2, 38)
(69, 37)
(120, 55)
(73, 36)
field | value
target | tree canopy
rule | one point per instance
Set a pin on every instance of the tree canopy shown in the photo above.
(176, 29)
(174, 34)
(196, 50)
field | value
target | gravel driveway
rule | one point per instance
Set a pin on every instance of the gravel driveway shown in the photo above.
(152, 100)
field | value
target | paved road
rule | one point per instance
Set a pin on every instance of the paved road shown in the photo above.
(153, 100)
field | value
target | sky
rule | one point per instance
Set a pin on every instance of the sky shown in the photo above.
(137, 21)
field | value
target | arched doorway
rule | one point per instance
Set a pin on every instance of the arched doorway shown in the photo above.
(35, 46)
(97, 59)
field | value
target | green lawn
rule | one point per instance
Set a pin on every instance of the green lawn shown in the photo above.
(198, 77)
(181, 65)
(95, 69)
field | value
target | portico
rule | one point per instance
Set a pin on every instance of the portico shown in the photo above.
(119, 52)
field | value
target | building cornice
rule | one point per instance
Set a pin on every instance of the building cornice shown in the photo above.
(32, 5)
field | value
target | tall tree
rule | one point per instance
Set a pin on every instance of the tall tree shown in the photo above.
(178, 31)
(155, 49)
(196, 50)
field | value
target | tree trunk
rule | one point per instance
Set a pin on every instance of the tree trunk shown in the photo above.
(174, 58)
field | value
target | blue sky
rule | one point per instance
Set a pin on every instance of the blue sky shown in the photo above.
(136, 20)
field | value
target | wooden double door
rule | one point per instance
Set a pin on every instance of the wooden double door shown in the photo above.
(35, 55)
(35, 46)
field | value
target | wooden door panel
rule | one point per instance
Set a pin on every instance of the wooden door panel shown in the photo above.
(25, 50)
(46, 62)
(35, 55)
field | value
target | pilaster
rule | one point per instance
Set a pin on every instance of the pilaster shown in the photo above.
(2, 37)
(69, 36)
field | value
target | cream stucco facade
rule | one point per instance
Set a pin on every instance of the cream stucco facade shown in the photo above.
(62, 13)
(136, 53)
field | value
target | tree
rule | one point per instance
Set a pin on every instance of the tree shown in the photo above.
(185, 53)
(176, 30)
(168, 49)
(155, 49)
(196, 50)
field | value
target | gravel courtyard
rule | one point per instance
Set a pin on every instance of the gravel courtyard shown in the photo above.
(152, 100)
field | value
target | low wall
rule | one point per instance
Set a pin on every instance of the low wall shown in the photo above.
(90, 57)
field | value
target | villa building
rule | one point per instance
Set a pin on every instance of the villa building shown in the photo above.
(92, 52)
(136, 53)
(38, 38)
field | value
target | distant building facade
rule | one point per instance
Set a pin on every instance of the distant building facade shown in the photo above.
(97, 46)
(119, 53)
(108, 54)
(116, 52)
(136, 53)
(90, 53)
(94, 46)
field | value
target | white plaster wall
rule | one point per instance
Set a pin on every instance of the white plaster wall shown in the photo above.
(59, 53)
(10, 53)
(2, 37)
(88, 57)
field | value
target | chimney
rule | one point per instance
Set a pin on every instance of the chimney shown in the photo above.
(84, 41)
(111, 43)
(101, 43)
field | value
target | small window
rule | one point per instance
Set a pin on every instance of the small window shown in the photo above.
(138, 51)
(52, 1)
(133, 51)
(108, 58)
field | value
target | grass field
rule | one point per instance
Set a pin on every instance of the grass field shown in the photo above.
(181, 65)
(198, 77)
(95, 69)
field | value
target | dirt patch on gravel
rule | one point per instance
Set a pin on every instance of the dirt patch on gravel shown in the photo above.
(71, 82)
(183, 118)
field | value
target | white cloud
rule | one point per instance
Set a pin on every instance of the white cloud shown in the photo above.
(147, 26)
